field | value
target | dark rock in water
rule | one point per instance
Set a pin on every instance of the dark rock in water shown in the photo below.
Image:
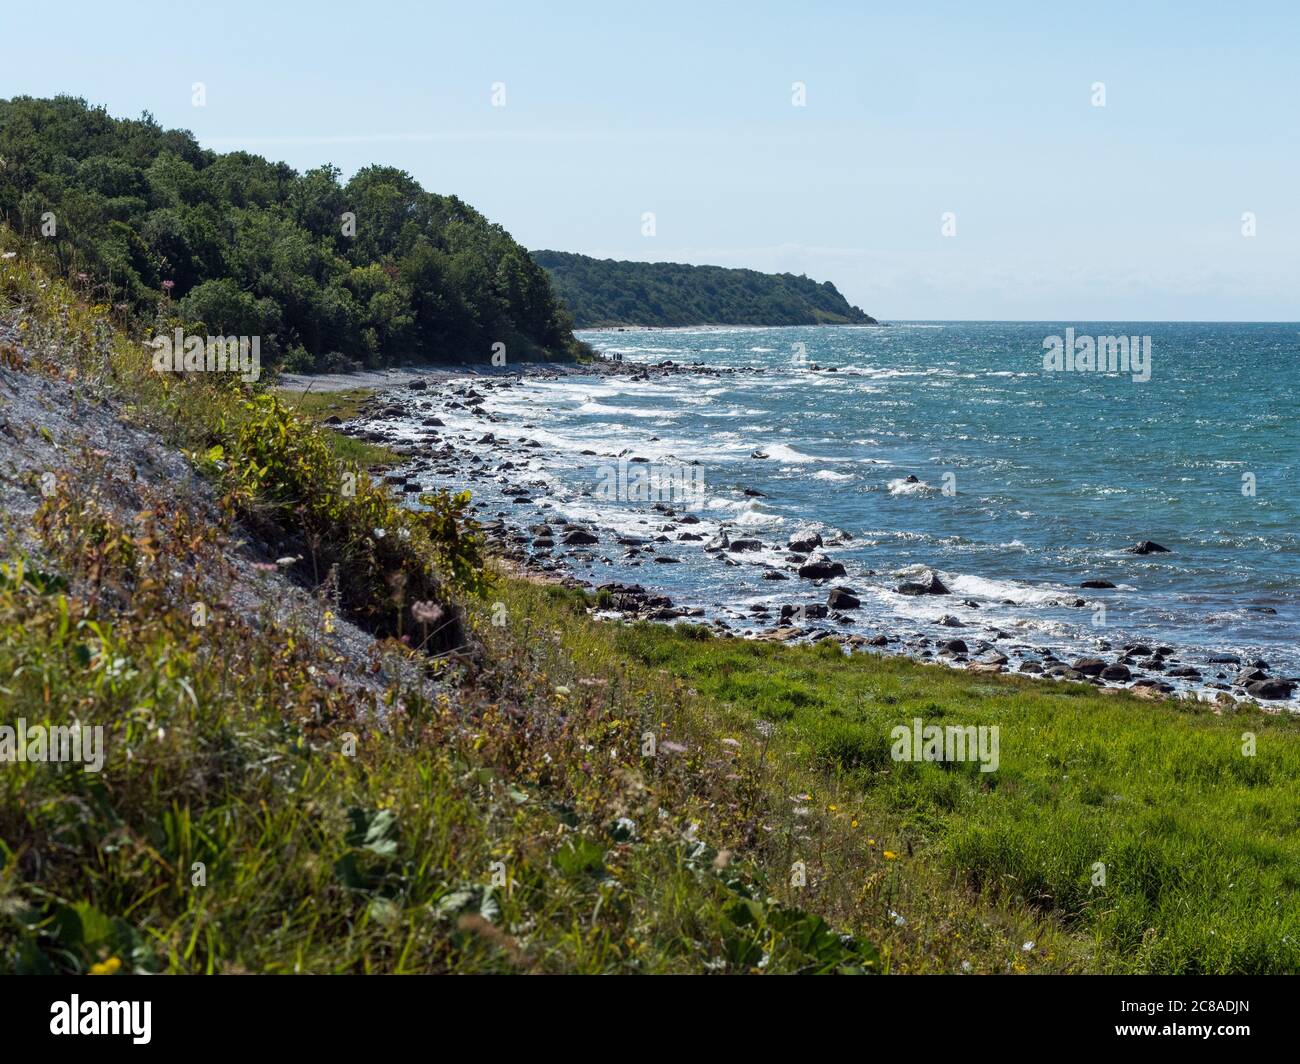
(689, 519)
(664, 559)
(1258, 663)
(911, 478)
(418, 385)
(758, 454)
(949, 621)
(1089, 666)
(1117, 673)
(719, 542)
(686, 537)
(1100, 584)
(753, 493)
(1249, 676)
(927, 584)
(1270, 689)
(995, 657)
(971, 603)
(804, 541)
(878, 641)
(1224, 659)
(1147, 547)
(738, 545)
(774, 574)
(812, 609)
(1261, 609)
(579, 536)
(410, 487)
(954, 646)
(1030, 666)
(819, 567)
(1186, 671)
(841, 598)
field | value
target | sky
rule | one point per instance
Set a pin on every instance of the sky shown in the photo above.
(949, 161)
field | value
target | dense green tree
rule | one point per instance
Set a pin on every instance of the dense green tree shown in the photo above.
(240, 243)
(607, 292)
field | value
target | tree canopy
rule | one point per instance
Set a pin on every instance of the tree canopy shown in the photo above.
(607, 292)
(375, 270)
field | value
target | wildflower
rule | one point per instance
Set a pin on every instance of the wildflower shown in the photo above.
(168, 286)
(561, 690)
(1027, 946)
(853, 823)
(378, 533)
(426, 612)
(329, 622)
(890, 855)
(108, 967)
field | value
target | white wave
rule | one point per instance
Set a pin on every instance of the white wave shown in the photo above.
(902, 486)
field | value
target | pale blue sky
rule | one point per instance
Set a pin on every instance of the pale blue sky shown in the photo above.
(1065, 211)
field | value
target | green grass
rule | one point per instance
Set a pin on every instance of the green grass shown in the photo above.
(1199, 842)
(318, 406)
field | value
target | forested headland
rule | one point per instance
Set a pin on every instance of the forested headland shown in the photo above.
(608, 292)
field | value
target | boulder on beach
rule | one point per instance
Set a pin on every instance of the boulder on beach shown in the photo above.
(737, 546)
(578, 536)
(1097, 584)
(719, 542)
(841, 598)
(819, 567)
(1089, 666)
(928, 583)
(804, 541)
(1116, 673)
(1270, 689)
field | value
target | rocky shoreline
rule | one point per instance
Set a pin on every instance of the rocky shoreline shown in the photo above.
(404, 416)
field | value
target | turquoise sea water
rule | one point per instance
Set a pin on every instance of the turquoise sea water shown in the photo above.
(1051, 474)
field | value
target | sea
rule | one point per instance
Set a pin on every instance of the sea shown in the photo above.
(972, 449)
